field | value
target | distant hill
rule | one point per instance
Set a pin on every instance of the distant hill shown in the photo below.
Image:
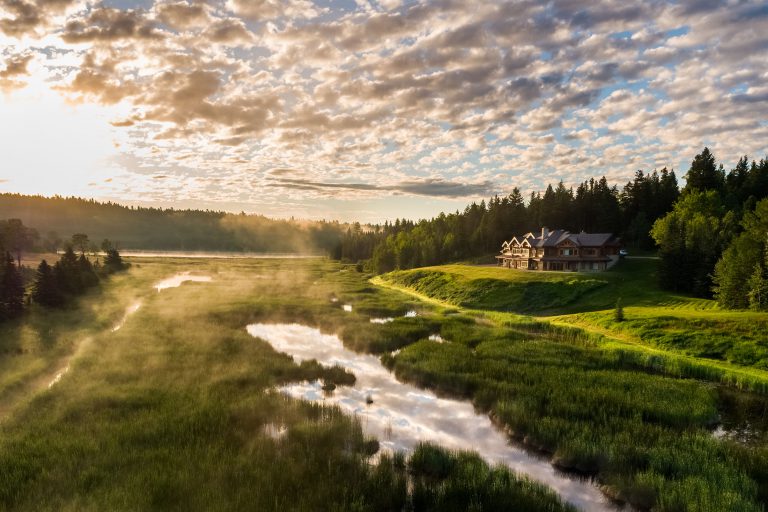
(58, 218)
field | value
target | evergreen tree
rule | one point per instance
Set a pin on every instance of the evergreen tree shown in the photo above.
(618, 312)
(81, 242)
(113, 262)
(704, 174)
(67, 272)
(757, 284)
(88, 277)
(46, 290)
(11, 289)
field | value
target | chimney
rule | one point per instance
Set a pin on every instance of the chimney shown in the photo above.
(544, 232)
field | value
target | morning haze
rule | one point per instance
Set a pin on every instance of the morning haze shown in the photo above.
(383, 255)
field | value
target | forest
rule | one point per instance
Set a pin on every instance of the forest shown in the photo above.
(165, 229)
(711, 235)
(594, 206)
(54, 285)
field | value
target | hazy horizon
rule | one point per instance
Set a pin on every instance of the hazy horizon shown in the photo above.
(368, 111)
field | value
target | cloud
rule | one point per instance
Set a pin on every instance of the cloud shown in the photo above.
(15, 68)
(228, 31)
(105, 24)
(25, 17)
(356, 99)
(270, 9)
(181, 15)
(427, 187)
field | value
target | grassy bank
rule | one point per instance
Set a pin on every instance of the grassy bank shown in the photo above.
(724, 340)
(174, 411)
(545, 293)
(596, 396)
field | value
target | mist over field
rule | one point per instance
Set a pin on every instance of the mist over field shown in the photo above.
(383, 255)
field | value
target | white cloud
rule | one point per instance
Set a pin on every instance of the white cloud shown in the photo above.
(215, 94)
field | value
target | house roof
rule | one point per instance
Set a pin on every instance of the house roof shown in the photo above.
(558, 236)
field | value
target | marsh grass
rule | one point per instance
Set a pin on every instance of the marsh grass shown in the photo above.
(172, 412)
(633, 414)
(680, 336)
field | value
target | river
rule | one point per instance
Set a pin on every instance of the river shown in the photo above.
(400, 415)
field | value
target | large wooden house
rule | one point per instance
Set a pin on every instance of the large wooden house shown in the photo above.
(561, 250)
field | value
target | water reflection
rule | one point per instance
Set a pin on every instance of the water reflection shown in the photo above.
(743, 417)
(401, 415)
(58, 376)
(128, 312)
(178, 279)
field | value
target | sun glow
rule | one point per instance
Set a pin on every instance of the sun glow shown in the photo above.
(50, 146)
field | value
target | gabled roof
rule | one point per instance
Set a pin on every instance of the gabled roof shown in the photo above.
(592, 239)
(559, 236)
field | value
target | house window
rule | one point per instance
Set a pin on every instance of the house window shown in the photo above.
(569, 252)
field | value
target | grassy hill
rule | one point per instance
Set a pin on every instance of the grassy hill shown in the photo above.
(654, 317)
(545, 293)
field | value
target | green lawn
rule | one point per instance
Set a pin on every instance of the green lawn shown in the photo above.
(546, 293)
(654, 318)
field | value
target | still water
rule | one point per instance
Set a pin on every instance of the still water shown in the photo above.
(401, 415)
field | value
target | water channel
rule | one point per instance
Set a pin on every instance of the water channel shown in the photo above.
(400, 415)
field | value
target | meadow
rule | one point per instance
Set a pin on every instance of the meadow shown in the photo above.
(610, 399)
(176, 409)
(726, 342)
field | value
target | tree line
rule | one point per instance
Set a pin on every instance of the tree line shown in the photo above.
(50, 285)
(165, 229)
(714, 242)
(594, 206)
(712, 236)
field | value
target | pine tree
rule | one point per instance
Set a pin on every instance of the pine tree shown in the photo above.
(618, 312)
(46, 290)
(704, 174)
(758, 289)
(87, 275)
(67, 272)
(114, 262)
(11, 290)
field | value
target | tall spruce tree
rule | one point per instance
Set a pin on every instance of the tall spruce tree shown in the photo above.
(88, 276)
(704, 174)
(45, 290)
(736, 269)
(67, 272)
(11, 289)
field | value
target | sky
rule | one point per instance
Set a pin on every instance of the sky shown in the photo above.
(369, 109)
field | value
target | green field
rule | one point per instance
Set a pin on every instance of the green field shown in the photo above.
(546, 293)
(177, 409)
(657, 319)
(586, 388)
